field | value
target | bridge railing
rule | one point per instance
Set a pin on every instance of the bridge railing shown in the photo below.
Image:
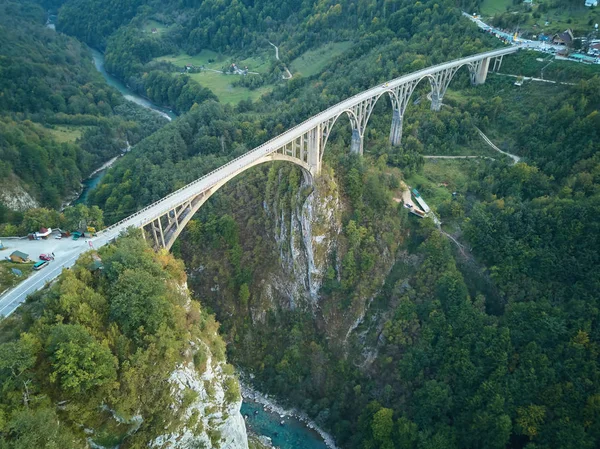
(259, 151)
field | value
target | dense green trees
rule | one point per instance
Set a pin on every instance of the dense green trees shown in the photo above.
(432, 359)
(97, 344)
(50, 89)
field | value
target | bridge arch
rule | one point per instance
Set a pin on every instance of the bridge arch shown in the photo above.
(353, 121)
(166, 229)
(304, 144)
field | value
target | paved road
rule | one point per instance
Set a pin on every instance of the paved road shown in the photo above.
(524, 43)
(10, 300)
(66, 251)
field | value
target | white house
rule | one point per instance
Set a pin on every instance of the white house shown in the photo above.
(591, 2)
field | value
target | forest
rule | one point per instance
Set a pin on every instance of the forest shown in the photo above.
(102, 343)
(58, 119)
(482, 332)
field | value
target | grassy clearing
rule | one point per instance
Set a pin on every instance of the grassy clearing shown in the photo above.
(314, 61)
(8, 279)
(208, 58)
(439, 178)
(221, 86)
(562, 18)
(491, 7)
(219, 83)
(149, 25)
(66, 133)
(579, 18)
(216, 61)
(260, 63)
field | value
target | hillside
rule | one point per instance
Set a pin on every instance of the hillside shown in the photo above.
(117, 353)
(58, 118)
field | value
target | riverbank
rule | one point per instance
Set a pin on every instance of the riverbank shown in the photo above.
(127, 93)
(248, 393)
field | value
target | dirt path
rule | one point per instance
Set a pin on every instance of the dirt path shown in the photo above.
(459, 157)
(514, 157)
(539, 80)
(288, 74)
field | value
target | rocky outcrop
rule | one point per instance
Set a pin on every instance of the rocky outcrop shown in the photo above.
(210, 418)
(14, 196)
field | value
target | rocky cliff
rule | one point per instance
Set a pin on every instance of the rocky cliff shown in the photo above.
(209, 403)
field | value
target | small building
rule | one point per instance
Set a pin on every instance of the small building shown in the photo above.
(590, 3)
(154, 31)
(43, 233)
(19, 257)
(564, 38)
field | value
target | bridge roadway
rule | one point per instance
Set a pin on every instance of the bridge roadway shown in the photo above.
(11, 300)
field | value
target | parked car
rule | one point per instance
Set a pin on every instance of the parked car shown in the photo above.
(58, 237)
(47, 257)
(41, 264)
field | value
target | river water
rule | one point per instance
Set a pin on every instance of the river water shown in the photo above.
(98, 58)
(293, 434)
(127, 93)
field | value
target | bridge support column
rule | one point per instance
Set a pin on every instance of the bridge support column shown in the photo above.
(497, 64)
(396, 131)
(436, 100)
(482, 71)
(357, 142)
(314, 138)
(155, 235)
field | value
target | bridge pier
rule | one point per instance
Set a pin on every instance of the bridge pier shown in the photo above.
(482, 71)
(497, 64)
(356, 146)
(315, 137)
(396, 131)
(436, 100)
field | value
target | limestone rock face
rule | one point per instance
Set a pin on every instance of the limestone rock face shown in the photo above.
(209, 419)
(306, 236)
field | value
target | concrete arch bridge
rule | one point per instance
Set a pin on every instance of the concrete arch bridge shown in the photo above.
(303, 145)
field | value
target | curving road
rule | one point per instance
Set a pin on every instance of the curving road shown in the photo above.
(10, 301)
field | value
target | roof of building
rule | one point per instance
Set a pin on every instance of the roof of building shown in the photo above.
(20, 255)
(44, 232)
(566, 36)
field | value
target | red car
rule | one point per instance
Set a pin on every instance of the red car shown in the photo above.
(46, 257)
